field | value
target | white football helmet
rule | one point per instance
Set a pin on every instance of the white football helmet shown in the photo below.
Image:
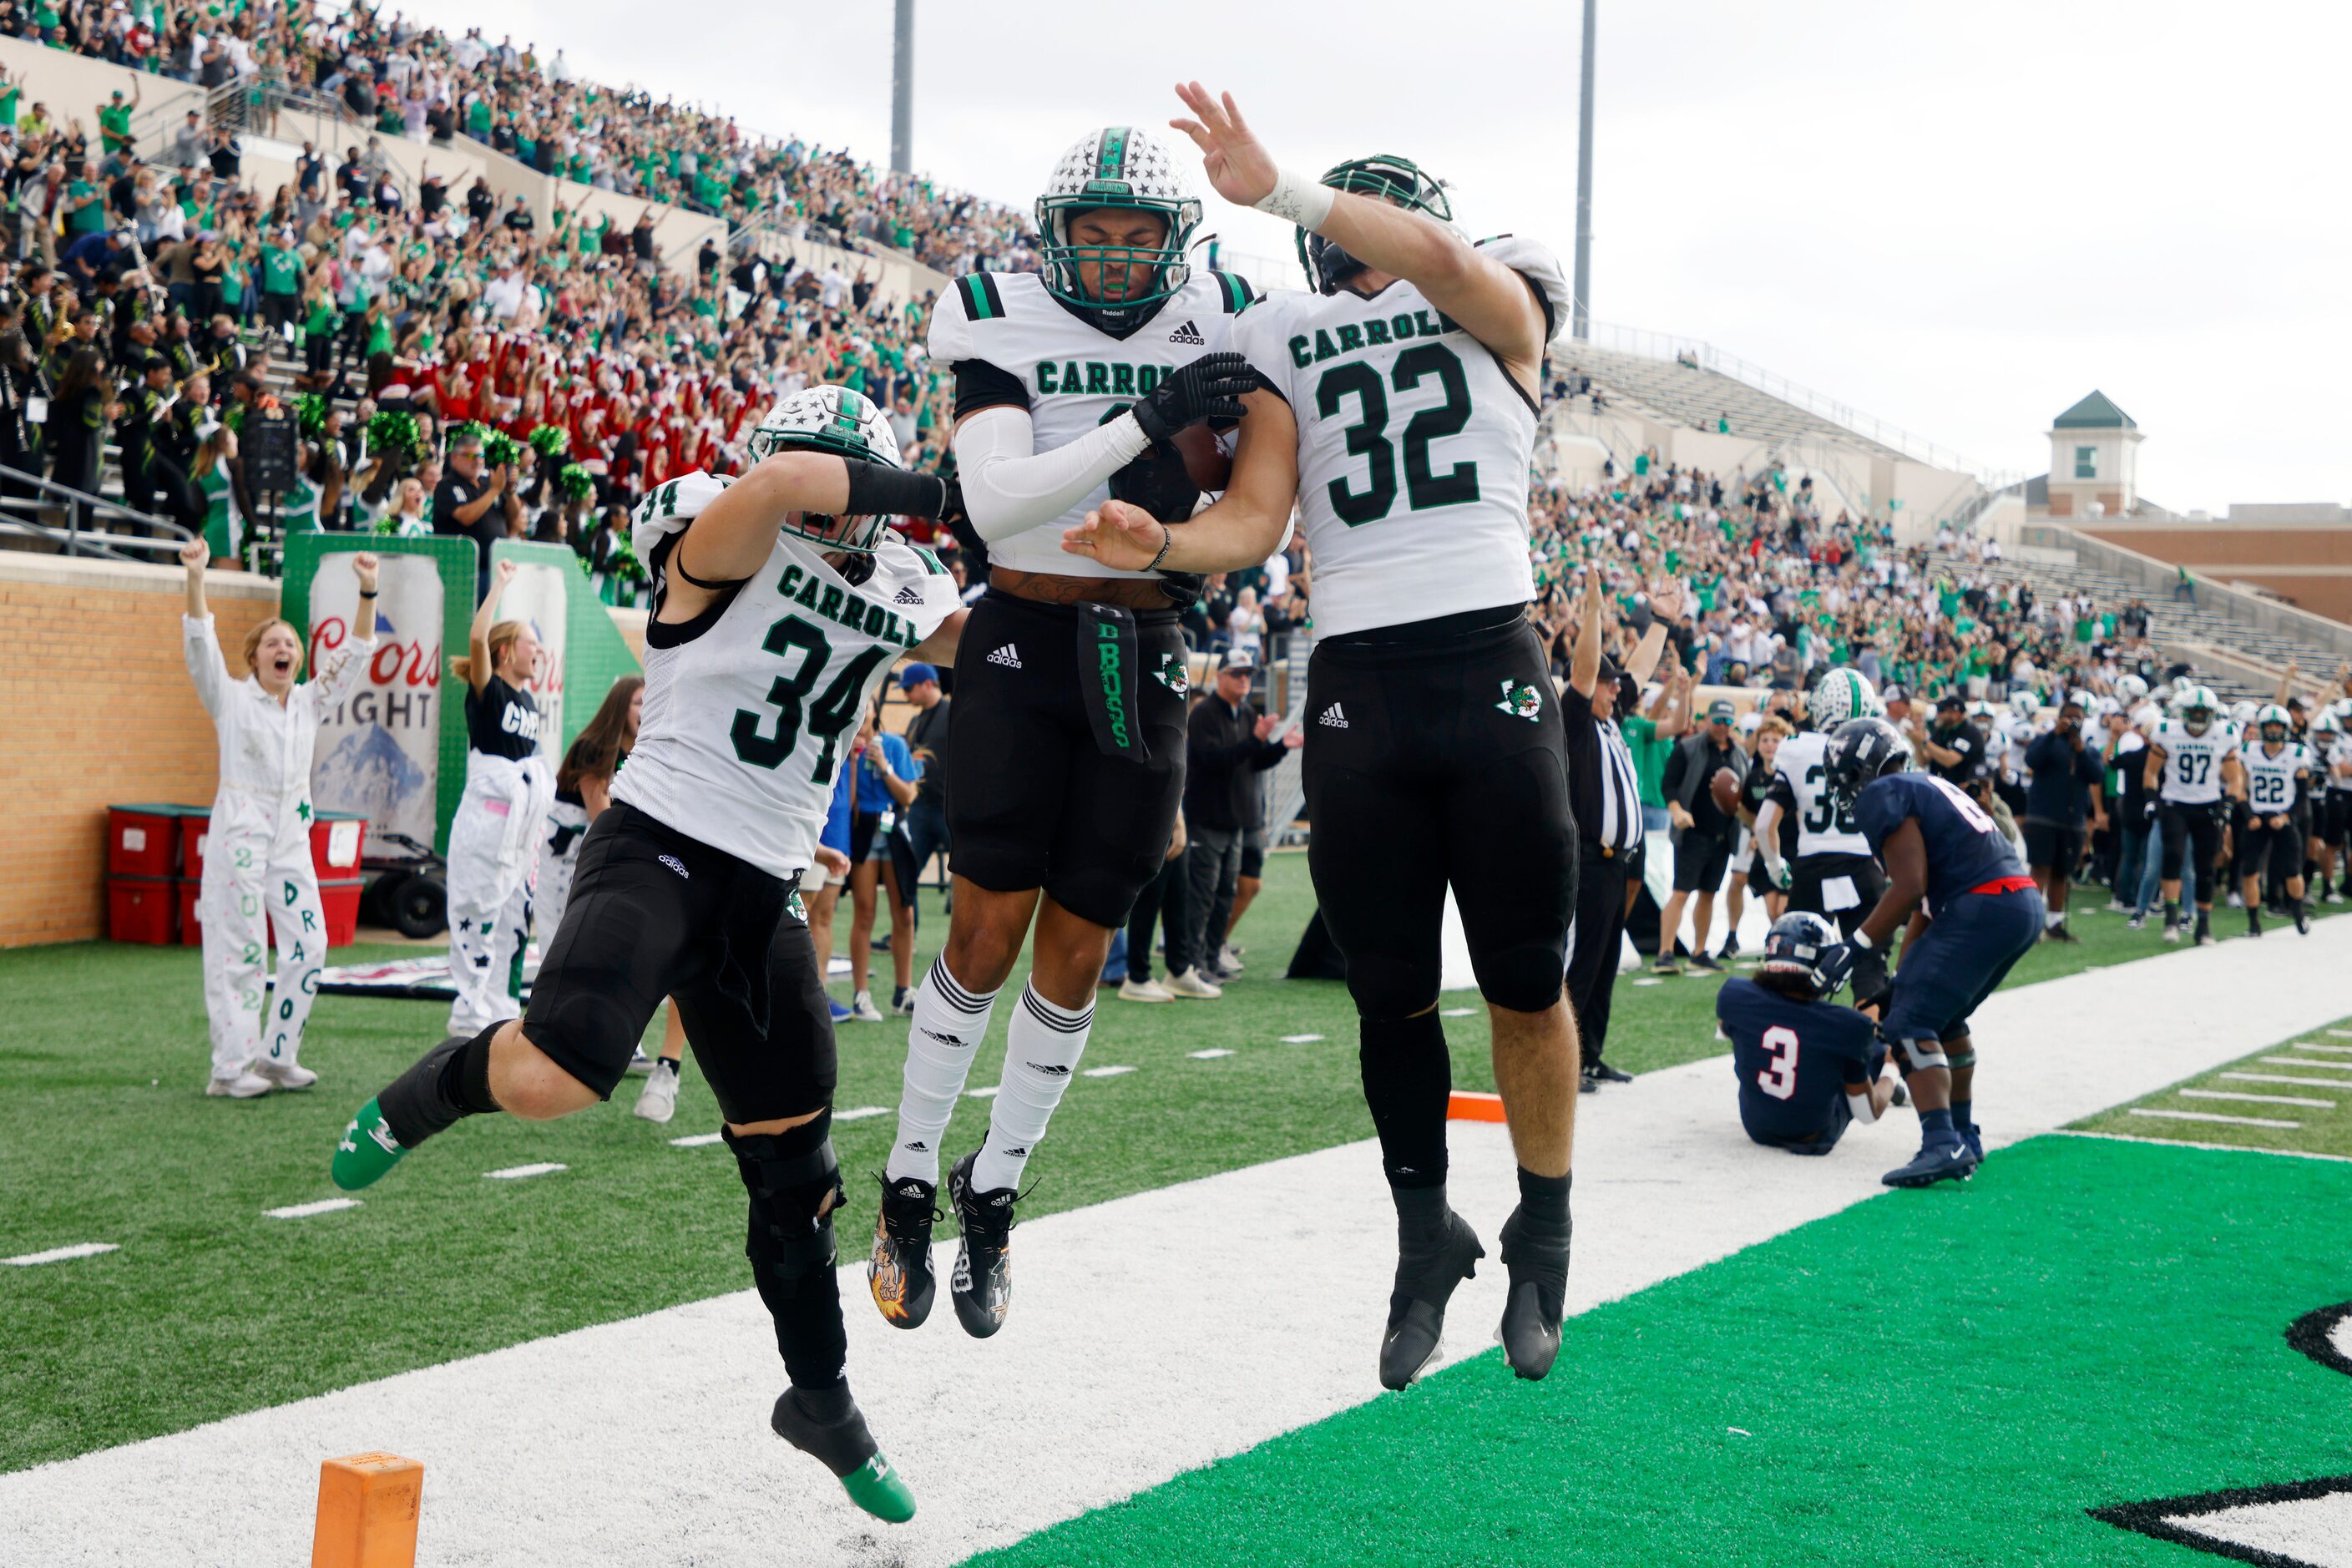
(1118, 166)
(2024, 704)
(2198, 706)
(829, 419)
(2272, 713)
(1844, 694)
(2132, 690)
(2241, 712)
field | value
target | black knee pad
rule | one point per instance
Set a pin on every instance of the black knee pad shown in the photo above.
(1526, 977)
(795, 1185)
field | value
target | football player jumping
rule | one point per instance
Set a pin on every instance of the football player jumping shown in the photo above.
(781, 601)
(1396, 405)
(1071, 385)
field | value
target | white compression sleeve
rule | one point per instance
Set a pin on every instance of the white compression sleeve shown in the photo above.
(1009, 487)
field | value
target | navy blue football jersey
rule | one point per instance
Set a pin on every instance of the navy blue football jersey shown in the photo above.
(1795, 1060)
(1965, 848)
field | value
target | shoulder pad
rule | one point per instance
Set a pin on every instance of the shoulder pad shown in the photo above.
(1233, 292)
(1540, 267)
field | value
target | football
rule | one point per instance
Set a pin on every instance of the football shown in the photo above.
(1207, 466)
(1725, 787)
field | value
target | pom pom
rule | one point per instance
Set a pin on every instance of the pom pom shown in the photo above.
(574, 481)
(396, 434)
(310, 414)
(550, 440)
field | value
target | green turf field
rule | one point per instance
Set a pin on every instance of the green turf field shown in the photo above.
(210, 1308)
(2289, 1097)
(1813, 1399)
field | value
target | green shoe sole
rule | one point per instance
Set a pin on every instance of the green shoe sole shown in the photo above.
(366, 1152)
(875, 1486)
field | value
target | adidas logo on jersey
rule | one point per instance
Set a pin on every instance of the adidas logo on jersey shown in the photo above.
(1334, 718)
(1008, 655)
(1189, 335)
(909, 595)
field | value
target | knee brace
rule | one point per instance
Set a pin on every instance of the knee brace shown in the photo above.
(1915, 1055)
(795, 1185)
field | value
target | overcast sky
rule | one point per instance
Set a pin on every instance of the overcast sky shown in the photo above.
(1956, 218)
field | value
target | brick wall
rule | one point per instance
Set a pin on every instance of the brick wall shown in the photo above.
(101, 713)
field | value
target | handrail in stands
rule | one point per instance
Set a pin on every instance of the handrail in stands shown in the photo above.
(77, 539)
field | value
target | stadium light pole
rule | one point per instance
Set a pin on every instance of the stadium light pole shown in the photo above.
(902, 91)
(1583, 317)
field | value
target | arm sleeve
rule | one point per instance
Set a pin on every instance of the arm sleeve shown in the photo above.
(338, 672)
(980, 385)
(1010, 487)
(204, 666)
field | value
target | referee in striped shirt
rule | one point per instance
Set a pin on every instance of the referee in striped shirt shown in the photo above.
(1607, 799)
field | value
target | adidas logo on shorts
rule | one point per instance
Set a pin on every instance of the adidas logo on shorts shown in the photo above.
(1008, 655)
(1189, 335)
(1333, 718)
(909, 595)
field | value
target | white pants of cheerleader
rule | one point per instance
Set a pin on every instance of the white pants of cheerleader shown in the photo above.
(258, 877)
(493, 844)
(559, 861)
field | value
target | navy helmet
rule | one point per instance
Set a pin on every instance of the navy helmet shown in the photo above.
(1859, 750)
(1803, 945)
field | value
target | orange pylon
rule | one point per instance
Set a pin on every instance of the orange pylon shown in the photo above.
(367, 1507)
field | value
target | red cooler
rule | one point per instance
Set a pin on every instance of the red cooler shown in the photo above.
(144, 840)
(141, 909)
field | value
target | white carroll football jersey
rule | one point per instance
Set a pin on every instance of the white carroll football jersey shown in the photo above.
(2270, 781)
(1072, 376)
(1822, 828)
(2192, 763)
(748, 706)
(1413, 446)
(2339, 752)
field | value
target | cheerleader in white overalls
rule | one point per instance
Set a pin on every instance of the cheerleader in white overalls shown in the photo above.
(494, 839)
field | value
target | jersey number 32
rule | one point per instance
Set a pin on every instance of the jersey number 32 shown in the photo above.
(1367, 437)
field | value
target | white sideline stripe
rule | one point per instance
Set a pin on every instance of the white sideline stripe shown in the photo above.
(2193, 1143)
(1211, 1054)
(2306, 1062)
(861, 1112)
(695, 1141)
(1309, 1039)
(521, 1441)
(2341, 1033)
(61, 1254)
(2282, 1077)
(2217, 1116)
(516, 1172)
(2257, 1099)
(987, 1093)
(1455, 1011)
(304, 1211)
(1111, 1071)
(1647, 980)
(2315, 1046)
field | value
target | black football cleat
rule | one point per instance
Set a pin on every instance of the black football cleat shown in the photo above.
(1538, 1299)
(1425, 1278)
(1608, 1074)
(843, 1445)
(982, 1284)
(900, 1271)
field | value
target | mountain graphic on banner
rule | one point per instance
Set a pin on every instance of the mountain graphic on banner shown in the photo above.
(370, 776)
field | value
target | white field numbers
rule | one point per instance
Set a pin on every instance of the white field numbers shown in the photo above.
(1778, 1077)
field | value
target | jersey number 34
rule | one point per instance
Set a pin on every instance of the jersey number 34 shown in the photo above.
(826, 719)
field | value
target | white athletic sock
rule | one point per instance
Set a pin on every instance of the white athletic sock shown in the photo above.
(1042, 1048)
(949, 1024)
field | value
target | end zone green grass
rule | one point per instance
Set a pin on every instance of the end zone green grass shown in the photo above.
(1955, 1376)
(2294, 1097)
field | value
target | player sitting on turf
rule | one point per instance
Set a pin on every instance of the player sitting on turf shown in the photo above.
(1947, 859)
(1807, 1067)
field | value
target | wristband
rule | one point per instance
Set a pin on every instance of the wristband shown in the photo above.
(877, 490)
(1860, 939)
(1167, 539)
(367, 593)
(1295, 199)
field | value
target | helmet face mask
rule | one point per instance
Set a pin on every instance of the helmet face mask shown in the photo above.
(1118, 171)
(1400, 182)
(846, 424)
(2274, 723)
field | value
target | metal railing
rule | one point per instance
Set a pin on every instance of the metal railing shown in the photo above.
(1703, 355)
(22, 493)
